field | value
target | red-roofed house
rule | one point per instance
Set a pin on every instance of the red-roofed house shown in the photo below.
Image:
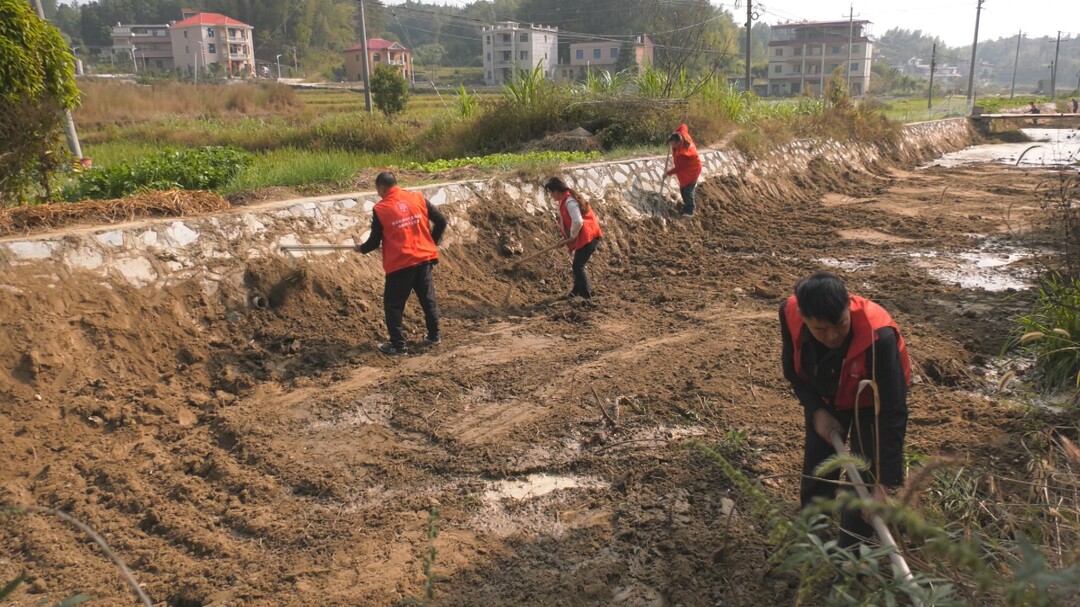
(380, 52)
(204, 39)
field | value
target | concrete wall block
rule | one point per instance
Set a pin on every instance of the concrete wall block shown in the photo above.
(178, 235)
(137, 271)
(114, 238)
(84, 258)
(32, 250)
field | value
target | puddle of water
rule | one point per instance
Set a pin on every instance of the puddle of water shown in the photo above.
(848, 265)
(990, 267)
(536, 485)
(1057, 147)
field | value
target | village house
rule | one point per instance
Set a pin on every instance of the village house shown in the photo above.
(510, 47)
(803, 56)
(380, 52)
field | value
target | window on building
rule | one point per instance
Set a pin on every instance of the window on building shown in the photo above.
(615, 52)
(596, 53)
(487, 39)
(376, 57)
(779, 52)
(523, 37)
(358, 57)
(506, 38)
(796, 69)
(211, 48)
(209, 32)
(777, 68)
(523, 55)
(854, 68)
(185, 33)
(797, 51)
(160, 64)
(506, 56)
(580, 54)
(489, 75)
(489, 56)
(855, 48)
(836, 50)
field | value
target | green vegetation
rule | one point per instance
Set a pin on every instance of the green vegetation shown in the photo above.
(504, 161)
(1051, 332)
(389, 90)
(37, 85)
(987, 556)
(296, 168)
(205, 168)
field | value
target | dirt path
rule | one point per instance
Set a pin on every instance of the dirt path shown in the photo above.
(273, 458)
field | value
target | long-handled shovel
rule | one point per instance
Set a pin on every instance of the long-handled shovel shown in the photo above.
(879, 525)
(510, 287)
(663, 181)
(316, 247)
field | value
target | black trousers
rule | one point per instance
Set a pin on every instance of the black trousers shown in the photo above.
(581, 259)
(816, 450)
(396, 292)
(687, 194)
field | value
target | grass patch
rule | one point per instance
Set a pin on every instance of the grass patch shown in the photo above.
(108, 153)
(505, 161)
(292, 167)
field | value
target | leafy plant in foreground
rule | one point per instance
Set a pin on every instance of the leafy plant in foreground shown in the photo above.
(206, 168)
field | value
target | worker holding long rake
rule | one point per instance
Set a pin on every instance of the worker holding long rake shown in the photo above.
(848, 365)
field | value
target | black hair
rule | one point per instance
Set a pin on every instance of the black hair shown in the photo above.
(385, 179)
(556, 185)
(674, 137)
(823, 297)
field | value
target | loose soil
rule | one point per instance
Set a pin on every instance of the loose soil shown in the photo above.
(272, 457)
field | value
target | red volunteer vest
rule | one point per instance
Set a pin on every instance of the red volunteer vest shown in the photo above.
(866, 318)
(406, 240)
(590, 227)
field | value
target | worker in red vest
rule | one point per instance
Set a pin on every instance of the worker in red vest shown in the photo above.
(408, 227)
(580, 231)
(686, 167)
(832, 342)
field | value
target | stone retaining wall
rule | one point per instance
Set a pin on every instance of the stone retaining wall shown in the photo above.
(213, 249)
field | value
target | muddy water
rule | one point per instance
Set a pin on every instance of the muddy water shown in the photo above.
(1053, 147)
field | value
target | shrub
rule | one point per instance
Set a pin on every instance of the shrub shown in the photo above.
(389, 90)
(37, 84)
(1051, 332)
(205, 168)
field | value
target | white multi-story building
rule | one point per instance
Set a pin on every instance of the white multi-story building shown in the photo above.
(509, 47)
(803, 56)
(147, 45)
(205, 39)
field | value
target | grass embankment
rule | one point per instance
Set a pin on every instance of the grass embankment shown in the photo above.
(321, 138)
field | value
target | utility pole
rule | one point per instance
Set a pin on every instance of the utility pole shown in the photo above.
(1016, 62)
(367, 60)
(277, 60)
(974, 47)
(930, 90)
(850, 35)
(749, 25)
(1054, 69)
(70, 133)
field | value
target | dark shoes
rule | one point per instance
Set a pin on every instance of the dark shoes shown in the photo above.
(432, 341)
(390, 349)
(688, 215)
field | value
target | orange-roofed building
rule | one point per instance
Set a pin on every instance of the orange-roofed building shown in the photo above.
(380, 52)
(201, 40)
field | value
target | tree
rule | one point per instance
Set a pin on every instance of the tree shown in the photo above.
(429, 56)
(389, 90)
(37, 85)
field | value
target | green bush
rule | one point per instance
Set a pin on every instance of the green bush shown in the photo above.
(389, 90)
(1051, 332)
(206, 168)
(504, 161)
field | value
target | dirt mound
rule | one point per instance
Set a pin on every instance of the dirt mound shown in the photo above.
(241, 455)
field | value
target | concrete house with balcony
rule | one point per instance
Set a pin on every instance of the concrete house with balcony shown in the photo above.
(604, 54)
(149, 46)
(380, 52)
(510, 46)
(803, 56)
(202, 40)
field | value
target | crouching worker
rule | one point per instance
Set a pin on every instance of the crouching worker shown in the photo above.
(686, 166)
(831, 342)
(408, 227)
(580, 231)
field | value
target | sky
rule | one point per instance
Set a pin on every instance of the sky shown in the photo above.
(952, 20)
